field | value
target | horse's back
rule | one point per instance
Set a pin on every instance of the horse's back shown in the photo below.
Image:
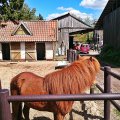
(27, 83)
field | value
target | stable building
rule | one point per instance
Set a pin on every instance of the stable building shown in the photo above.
(68, 25)
(109, 22)
(28, 40)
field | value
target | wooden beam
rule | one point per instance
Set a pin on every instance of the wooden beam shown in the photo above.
(75, 28)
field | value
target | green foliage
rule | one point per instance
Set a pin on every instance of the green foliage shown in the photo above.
(88, 21)
(83, 38)
(9, 9)
(27, 13)
(110, 55)
(117, 113)
(17, 10)
(40, 17)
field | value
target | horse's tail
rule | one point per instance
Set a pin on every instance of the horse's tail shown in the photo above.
(16, 84)
(15, 88)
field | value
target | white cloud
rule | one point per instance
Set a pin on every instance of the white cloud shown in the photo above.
(71, 10)
(65, 9)
(54, 15)
(94, 4)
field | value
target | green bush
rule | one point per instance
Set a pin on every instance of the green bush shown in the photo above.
(110, 55)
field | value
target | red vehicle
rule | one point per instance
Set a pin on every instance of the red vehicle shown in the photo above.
(84, 48)
(77, 47)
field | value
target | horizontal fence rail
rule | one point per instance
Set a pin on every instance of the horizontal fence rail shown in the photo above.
(85, 97)
(116, 105)
(112, 74)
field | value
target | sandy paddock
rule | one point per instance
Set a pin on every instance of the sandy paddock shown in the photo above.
(8, 70)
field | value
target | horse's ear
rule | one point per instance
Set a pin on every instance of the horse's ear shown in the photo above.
(91, 58)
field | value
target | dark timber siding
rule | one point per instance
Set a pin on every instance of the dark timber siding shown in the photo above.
(112, 29)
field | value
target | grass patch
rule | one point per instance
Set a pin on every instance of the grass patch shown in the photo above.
(117, 112)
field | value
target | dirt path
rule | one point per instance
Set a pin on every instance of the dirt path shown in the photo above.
(93, 109)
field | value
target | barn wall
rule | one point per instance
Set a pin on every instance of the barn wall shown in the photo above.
(22, 45)
(63, 34)
(30, 51)
(27, 51)
(23, 51)
(70, 21)
(15, 51)
(98, 36)
(49, 50)
(112, 29)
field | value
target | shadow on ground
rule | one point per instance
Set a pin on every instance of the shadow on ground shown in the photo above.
(41, 118)
(82, 113)
(85, 115)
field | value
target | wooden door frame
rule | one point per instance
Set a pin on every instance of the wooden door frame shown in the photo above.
(37, 51)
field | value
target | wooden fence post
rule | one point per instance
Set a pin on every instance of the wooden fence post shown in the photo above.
(92, 89)
(5, 113)
(68, 55)
(73, 56)
(0, 85)
(107, 89)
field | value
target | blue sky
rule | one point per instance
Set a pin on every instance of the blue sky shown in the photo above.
(81, 8)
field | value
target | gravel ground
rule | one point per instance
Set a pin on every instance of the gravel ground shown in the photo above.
(91, 110)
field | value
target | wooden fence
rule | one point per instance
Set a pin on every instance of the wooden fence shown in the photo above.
(72, 56)
(107, 96)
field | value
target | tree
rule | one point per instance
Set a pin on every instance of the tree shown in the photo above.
(9, 9)
(40, 17)
(29, 14)
(88, 21)
(17, 10)
(81, 38)
(26, 13)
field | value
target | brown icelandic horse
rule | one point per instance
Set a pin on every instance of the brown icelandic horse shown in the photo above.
(73, 79)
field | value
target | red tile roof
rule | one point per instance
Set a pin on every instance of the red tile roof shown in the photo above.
(41, 31)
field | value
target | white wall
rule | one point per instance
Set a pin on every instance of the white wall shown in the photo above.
(49, 50)
(22, 51)
(1, 51)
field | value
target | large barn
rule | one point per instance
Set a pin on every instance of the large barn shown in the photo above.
(109, 21)
(28, 40)
(68, 24)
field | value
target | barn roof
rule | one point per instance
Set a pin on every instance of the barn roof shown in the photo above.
(69, 14)
(38, 31)
(111, 5)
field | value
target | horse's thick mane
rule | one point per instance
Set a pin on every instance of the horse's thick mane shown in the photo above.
(73, 79)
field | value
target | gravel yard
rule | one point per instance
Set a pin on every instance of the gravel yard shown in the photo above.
(91, 111)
